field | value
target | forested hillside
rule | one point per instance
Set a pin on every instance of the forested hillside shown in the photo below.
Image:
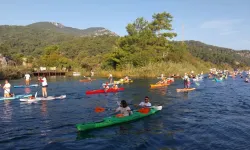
(148, 48)
(218, 55)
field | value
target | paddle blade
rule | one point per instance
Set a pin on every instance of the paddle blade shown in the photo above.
(99, 109)
(35, 94)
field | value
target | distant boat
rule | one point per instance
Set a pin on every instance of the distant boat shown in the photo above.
(76, 73)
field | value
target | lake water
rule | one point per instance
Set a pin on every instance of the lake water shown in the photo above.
(215, 116)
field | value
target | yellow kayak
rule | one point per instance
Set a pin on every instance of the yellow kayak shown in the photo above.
(185, 89)
(158, 85)
(123, 81)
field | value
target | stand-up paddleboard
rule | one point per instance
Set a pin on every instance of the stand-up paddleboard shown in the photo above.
(15, 97)
(185, 89)
(42, 98)
(25, 86)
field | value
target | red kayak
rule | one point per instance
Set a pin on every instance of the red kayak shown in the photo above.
(102, 91)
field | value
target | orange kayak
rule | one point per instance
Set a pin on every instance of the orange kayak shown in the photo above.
(86, 80)
(158, 85)
(185, 89)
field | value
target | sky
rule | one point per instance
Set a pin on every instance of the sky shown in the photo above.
(224, 23)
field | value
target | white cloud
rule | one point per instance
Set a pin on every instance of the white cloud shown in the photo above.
(218, 24)
(224, 27)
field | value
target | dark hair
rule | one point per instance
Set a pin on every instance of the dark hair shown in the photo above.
(124, 104)
(147, 97)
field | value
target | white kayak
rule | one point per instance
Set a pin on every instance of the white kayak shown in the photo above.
(42, 98)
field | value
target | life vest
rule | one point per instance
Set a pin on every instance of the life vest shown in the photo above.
(144, 110)
(119, 115)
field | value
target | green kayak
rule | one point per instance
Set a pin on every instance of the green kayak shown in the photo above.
(116, 120)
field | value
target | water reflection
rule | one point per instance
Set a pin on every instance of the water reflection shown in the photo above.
(161, 90)
(183, 95)
(7, 111)
(44, 108)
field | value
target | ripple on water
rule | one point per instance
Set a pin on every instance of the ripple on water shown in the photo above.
(215, 116)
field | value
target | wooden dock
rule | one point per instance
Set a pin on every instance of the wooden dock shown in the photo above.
(49, 73)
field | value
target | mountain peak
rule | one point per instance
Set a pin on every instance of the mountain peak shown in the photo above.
(58, 27)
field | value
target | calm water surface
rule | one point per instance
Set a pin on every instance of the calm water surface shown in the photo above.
(215, 116)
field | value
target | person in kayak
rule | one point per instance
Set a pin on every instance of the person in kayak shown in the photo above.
(110, 78)
(126, 78)
(106, 87)
(124, 109)
(89, 78)
(115, 86)
(32, 97)
(43, 80)
(6, 88)
(160, 82)
(146, 102)
(27, 79)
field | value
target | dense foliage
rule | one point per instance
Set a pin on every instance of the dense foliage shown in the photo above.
(148, 42)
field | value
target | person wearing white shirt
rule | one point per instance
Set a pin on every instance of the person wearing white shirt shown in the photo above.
(6, 88)
(124, 109)
(43, 80)
(110, 78)
(146, 102)
(27, 79)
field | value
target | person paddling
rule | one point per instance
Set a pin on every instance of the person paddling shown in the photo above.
(126, 78)
(124, 109)
(6, 88)
(27, 79)
(106, 87)
(146, 102)
(43, 80)
(115, 86)
(89, 78)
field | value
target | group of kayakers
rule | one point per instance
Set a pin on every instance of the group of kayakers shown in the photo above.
(114, 85)
(27, 77)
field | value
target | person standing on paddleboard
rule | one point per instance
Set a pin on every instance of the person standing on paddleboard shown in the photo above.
(43, 80)
(110, 78)
(91, 73)
(185, 80)
(162, 76)
(6, 88)
(27, 79)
